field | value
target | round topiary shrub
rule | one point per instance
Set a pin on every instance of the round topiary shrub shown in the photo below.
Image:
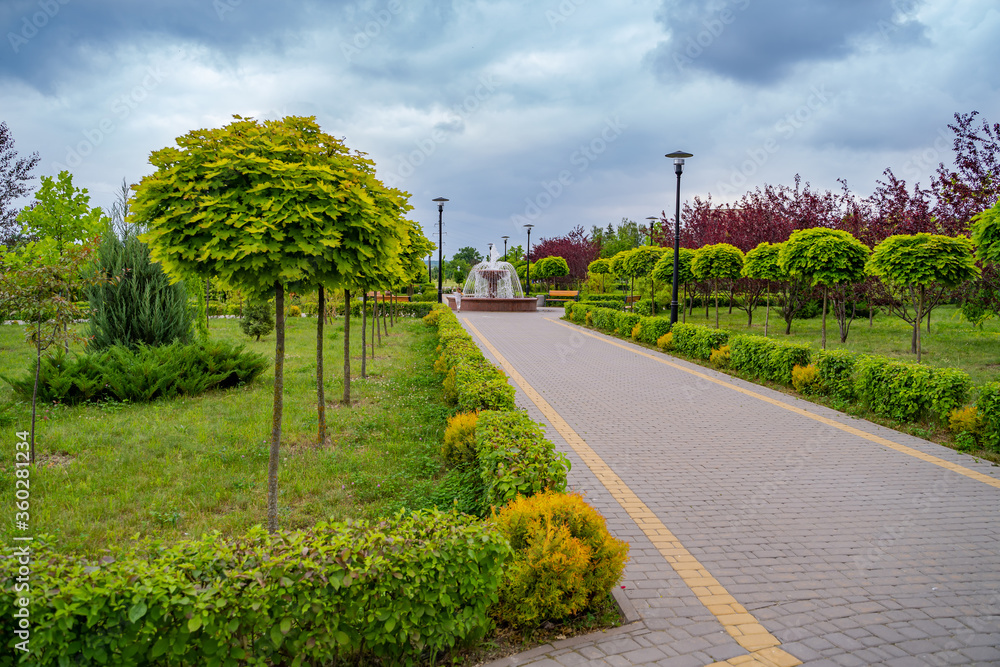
(564, 558)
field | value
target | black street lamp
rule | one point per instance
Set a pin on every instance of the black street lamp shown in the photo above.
(678, 158)
(651, 220)
(430, 276)
(527, 256)
(440, 202)
(505, 247)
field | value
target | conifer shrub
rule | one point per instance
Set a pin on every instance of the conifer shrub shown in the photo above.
(136, 304)
(431, 318)
(258, 319)
(964, 420)
(589, 319)
(665, 342)
(636, 331)
(141, 375)
(564, 558)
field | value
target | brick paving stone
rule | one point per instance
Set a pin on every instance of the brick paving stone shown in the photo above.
(819, 533)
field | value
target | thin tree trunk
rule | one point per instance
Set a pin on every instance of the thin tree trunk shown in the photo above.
(374, 325)
(929, 321)
(208, 288)
(276, 413)
(716, 289)
(916, 328)
(320, 395)
(385, 310)
(375, 314)
(346, 400)
(34, 392)
(767, 311)
(824, 316)
(364, 334)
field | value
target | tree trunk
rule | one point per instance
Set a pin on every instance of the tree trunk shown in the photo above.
(385, 310)
(34, 392)
(916, 327)
(929, 321)
(346, 400)
(767, 310)
(276, 413)
(208, 288)
(364, 334)
(320, 395)
(375, 314)
(716, 290)
(824, 316)
(374, 325)
(732, 292)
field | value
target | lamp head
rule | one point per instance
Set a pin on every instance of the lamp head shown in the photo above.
(678, 158)
(440, 202)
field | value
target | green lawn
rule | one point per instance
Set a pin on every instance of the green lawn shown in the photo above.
(178, 468)
(951, 343)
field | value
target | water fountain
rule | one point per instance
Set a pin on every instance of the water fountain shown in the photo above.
(493, 286)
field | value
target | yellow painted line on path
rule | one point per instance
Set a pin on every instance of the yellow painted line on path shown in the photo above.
(740, 624)
(903, 449)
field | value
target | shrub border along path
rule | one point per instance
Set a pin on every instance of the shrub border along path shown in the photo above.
(730, 491)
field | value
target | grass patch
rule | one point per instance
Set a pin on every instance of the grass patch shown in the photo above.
(171, 469)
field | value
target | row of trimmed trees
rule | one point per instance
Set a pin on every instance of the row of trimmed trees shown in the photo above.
(909, 274)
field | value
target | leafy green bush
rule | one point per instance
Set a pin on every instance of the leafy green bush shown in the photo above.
(988, 409)
(391, 589)
(616, 299)
(698, 341)
(613, 304)
(475, 383)
(604, 319)
(625, 322)
(836, 373)
(403, 308)
(142, 374)
(643, 307)
(653, 328)
(515, 458)
(907, 391)
(766, 358)
(258, 319)
(564, 558)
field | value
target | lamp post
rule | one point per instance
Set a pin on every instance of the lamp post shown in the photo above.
(651, 220)
(527, 256)
(430, 276)
(678, 158)
(440, 202)
(505, 247)
(489, 251)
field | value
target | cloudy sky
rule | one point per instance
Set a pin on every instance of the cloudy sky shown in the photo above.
(554, 112)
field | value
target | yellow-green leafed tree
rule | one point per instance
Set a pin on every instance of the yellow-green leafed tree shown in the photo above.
(268, 206)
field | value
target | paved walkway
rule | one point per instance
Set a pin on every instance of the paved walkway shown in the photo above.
(764, 530)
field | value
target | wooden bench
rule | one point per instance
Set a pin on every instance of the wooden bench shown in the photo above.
(388, 298)
(562, 296)
(629, 300)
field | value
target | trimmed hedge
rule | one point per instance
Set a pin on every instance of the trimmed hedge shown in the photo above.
(142, 374)
(906, 391)
(698, 341)
(515, 458)
(766, 358)
(475, 382)
(836, 373)
(392, 589)
(625, 322)
(653, 328)
(988, 407)
(403, 309)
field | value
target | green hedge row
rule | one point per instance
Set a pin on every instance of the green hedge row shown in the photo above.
(515, 458)
(471, 381)
(888, 387)
(404, 309)
(397, 589)
(140, 375)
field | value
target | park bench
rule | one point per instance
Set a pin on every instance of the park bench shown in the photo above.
(629, 300)
(562, 296)
(388, 298)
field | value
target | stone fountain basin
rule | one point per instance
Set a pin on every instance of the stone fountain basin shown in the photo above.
(485, 304)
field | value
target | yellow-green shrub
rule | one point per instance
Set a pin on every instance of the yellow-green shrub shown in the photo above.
(589, 319)
(564, 558)
(964, 420)
(805, 379)
(450, 388)
(431, 318)
(720, 357)
(440, 364)
(637, 331)
(665, 342)
(460, 438)
(294, 311)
